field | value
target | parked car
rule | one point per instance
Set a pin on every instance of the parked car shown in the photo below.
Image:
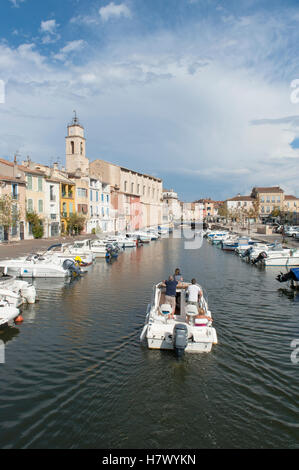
(292, 231)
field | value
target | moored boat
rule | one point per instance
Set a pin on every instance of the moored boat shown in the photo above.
(7, 313)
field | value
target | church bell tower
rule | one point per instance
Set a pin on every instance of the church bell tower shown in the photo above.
(75, 148)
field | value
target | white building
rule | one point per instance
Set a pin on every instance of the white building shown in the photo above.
(107, 221)
(95, 205)
(171, 206)
(52, 207)
(239, 203)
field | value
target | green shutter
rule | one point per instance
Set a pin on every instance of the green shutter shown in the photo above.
(29, 182)
(40, 184)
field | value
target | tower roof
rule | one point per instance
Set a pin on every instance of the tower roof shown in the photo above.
(75, 121)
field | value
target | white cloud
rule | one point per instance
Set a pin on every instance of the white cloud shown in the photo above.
(48, 30)
(48, 26)
(16, 3)
(86, 20)
(161, 105)
(114, 11)
(72, 46)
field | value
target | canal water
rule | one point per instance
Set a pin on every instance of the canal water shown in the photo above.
(76, 375)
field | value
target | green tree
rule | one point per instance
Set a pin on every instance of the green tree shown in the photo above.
(75, 224)
(36, 224)
(9, 212)
(254, 211)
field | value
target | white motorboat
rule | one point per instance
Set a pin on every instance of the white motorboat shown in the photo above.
(185, 332)
(25, 290)
(66, 251)
(232, 244)
(143, 237)
(250, 252)
(80, 248)
(256, 256)
(217, 234)
(287, 258)
(7, 313)
(99, 248)
(35, 266)
(122, 241)
(154, 234)
(16, 292)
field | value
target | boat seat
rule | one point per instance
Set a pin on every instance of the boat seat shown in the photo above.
(165, 309)
(191, 310)
(201, 322)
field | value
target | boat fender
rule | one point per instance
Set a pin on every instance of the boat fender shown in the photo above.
(19, 319)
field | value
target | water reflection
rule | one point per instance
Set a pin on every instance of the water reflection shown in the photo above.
(8, 333)
(77, 375)
(291, 294)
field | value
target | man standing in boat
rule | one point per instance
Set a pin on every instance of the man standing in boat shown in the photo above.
(170, 294)
(195, 298)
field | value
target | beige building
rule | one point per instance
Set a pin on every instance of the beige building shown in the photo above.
(269, 198)
(13, 183)
(129, 188)
(291, 209)
(35, 193)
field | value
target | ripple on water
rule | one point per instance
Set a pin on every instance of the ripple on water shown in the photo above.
(76, 375)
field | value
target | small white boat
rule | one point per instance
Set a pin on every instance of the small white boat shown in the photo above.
(184, 332)
(66, 251)
(22, 290)
(35, 266)
(122, 241)
(143, 237)
(7, 313)
(99, 248)
(287, 258)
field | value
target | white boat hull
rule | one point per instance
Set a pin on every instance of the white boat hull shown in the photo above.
(205, 338)
(159, 331)
(35, 271)
(7, 314)
(287, 261)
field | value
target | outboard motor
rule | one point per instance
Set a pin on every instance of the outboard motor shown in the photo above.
(180, 339)
(246, 253)
(70, 266)
(112, 250)
(260, 257)
(286, 277)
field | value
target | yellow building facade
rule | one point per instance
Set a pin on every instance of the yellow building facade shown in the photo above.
(67, 201)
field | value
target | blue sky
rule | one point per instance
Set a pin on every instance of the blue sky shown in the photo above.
(200, 93)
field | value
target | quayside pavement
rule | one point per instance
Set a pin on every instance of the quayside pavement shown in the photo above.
(15, 249)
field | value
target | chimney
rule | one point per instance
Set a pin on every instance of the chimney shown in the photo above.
(55, 166)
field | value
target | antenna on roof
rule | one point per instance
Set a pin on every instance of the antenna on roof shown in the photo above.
(75, 118)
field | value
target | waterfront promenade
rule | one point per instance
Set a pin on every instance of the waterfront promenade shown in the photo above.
(15, 249)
